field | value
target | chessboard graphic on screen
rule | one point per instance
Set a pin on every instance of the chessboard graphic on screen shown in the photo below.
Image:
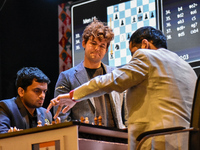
(124, 19)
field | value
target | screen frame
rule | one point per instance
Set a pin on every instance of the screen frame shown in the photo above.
(84, 2)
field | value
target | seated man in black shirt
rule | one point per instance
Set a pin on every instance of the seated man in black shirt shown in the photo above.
(25, 110)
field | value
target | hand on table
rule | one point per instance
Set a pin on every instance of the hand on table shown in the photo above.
(61, 100)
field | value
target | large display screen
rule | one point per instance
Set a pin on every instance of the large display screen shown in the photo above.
(181, 20)
(123, 16)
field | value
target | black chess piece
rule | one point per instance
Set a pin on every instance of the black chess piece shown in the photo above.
(133, 19)
(117, 47)
(122, 23)
(146, 17)
(140, 18)
(139, 11)
(116, 17)
(152, 15)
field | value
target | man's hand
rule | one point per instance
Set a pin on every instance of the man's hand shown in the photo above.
(61, 100)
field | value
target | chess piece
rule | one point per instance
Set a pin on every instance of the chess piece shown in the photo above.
(111, 52)
(39, 123)
(95, 121)
(139, 11)
(11, 129)
(123, 38)
(100, 120)
(53, 122)
(58, 120)
(133, 19)
(122, 23)
(117, 46)
(140, 18)
(47, 122)
(82, 119)
(87, 120)
(116, 17)
(116, 9)
(146, 17)
(152, 15)
(15, 129)
(111, 55)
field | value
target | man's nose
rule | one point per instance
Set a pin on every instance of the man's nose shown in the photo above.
(97, 47)
(42, 95)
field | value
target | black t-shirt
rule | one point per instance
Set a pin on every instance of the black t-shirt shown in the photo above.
(102, 103)
(32, 119)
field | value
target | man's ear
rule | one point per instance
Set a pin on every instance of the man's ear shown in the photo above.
(145, 44)
(20, 91)
(83, 44)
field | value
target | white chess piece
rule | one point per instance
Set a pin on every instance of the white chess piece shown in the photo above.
(39, 123)
(86, 120)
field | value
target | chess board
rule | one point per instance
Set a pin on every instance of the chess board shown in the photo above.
(124, 19)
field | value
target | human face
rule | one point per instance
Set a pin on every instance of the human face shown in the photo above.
(95, 50)
(33, 97)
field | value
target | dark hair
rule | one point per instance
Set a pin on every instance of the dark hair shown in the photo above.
(26, 75)
(153, 35)
(98, 29)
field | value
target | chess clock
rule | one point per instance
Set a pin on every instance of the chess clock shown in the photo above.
(123, 16)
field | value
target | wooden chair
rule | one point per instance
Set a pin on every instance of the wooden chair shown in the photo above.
(194, 129)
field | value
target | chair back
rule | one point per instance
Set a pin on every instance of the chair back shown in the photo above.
(194, 136)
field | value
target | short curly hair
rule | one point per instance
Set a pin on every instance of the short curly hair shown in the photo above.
(98, 29)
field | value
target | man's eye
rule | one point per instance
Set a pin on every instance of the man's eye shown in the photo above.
(37, 91)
